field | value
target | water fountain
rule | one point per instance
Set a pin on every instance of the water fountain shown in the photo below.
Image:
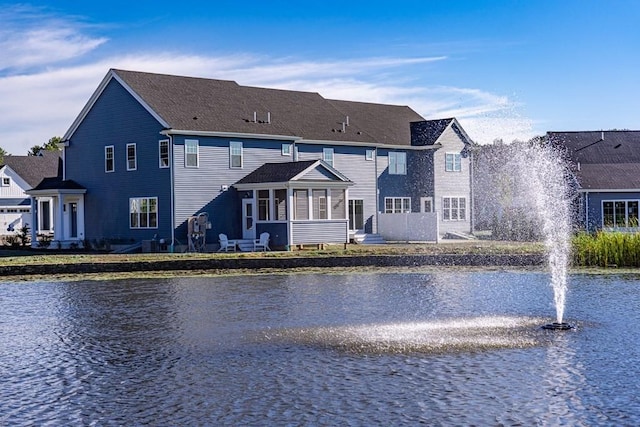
(530, 182)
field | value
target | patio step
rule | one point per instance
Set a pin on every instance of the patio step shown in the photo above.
(369, 239)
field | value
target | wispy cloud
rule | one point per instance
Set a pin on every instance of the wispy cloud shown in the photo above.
(48, 76)
(29, 37)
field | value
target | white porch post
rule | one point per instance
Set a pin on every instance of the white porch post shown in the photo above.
(34, 221)
(81, 220)
(58, 231)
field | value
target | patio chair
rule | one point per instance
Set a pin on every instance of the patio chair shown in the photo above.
(226, 245)
(262, 243)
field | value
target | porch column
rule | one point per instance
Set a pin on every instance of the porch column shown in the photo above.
(81, 220)
(58, 231)
(34, 221)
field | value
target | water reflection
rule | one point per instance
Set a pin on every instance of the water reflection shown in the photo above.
(453, 348)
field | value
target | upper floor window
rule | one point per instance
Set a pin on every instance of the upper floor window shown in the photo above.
(397, 205)
(327, 155)
(368, 155)
(163, 153)
(6, 181)
(109, 164)
(454, 208)
(132, 161)
(453, 162)
(191, 153)
(235, 154)
(397, 163)
(143, 212)
(287, 149)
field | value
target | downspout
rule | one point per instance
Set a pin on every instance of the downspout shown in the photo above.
(471, 204)
(172, 195)
(375, 166)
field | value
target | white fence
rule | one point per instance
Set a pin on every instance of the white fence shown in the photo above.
(408, 227)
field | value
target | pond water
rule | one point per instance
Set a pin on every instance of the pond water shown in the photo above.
(448, 347)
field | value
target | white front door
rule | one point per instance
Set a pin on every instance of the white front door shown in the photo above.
(248, 219)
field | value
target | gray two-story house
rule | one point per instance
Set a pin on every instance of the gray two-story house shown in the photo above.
(151, 152)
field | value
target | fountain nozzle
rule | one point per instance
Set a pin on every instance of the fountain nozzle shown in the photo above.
(557, 326)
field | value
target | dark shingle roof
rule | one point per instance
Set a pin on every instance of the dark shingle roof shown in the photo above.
(34, 168)
(197, 104)
(56, 183)
(609, 163)
(427, 132)
(276, 172)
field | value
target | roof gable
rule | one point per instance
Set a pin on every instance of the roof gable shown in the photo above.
(309, 170)
(32, 169)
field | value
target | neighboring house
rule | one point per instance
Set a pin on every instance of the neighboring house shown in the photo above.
(607, 167)
(150, 151)
(17, 175)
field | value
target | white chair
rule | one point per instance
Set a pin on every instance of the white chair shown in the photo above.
(226, 245)
(262, 242)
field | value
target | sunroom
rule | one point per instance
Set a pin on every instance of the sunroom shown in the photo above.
(297, 203)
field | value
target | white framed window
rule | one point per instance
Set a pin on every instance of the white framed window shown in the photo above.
(109, 163)
(426, 204)
(287, 149)
(143, 212)
(235, 154)
(263, 205)
(454, 208)
(6, 181)
(620, 213)
(453, 162)
(368, 155)
(191, 153)
(319, 202)
(397, 205)
(132, 161)
(397, 163)
(163, 153)
(327, 155)
(300, 204)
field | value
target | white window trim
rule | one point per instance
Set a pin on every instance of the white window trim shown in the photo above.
(8, 181)
(626, 211)
(157, 214)
(451, 210)
(113, 158)
(397, 203)
(287, 149)
(395, 169)
(426, 199)
(187, 142)
(328, 155)
(241, 145)
(135, 156)
(160, 165)
(368, 155)
(455, 157)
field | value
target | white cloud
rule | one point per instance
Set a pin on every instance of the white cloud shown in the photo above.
(38, 100)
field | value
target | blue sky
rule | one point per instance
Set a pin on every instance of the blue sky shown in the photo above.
(505, 69)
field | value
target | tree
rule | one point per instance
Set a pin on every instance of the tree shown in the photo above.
(51, 145)
(3, 153)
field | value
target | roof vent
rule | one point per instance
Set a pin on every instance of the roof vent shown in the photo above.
(347, 121)
(602, 135)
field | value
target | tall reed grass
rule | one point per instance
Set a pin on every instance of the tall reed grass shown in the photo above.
(606, 248)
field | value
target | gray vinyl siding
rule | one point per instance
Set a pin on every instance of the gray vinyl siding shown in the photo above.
(351, 162)
(310, 232)
(201, 189)
(117, 119)
(452, 184)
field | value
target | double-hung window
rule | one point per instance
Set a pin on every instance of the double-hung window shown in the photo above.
(327, 155)
(191, 153)
(109, 163)
(397, 204)
(143, 212)
(319, 201)
(235, 154)
(397, 163)
(452, 162)
(163, 153)
(454, 208)
(132, 161)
